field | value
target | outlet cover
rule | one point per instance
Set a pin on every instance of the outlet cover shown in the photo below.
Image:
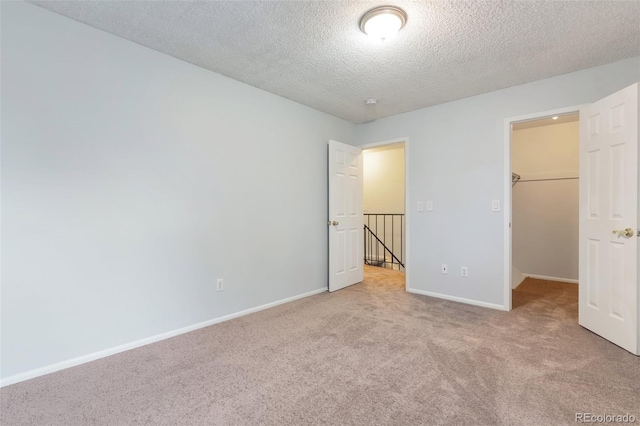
(220, 284)
(464, 272)
(445, 268)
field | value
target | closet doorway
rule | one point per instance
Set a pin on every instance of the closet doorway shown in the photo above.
(545, 210)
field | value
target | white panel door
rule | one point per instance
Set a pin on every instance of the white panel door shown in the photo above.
(346, 226)
(609, 218)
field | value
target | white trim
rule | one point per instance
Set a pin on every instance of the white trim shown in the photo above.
(407, 215)
(544, 277)
(457, 299)
(146, 341)
(507, 302)
(407, 204)
(506, 206)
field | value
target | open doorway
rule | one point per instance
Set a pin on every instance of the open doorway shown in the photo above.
(384, 213)
(545, 212)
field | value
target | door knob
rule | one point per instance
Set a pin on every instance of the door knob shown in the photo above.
(627, 233)
(335, 223)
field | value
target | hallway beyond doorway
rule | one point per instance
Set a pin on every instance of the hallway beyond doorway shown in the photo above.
(379, 278)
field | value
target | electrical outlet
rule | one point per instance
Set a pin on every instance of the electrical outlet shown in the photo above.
(464, 272)
(445, 268)
(220, 284)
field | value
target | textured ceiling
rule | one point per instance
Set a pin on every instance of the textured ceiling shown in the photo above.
(313, 52)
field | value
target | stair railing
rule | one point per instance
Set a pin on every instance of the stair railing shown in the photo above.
(384, 240)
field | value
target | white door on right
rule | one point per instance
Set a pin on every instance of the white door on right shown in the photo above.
(608, 287)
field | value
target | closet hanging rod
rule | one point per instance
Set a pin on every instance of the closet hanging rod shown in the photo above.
(541, 179)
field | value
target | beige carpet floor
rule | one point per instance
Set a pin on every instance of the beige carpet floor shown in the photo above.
(370, 354)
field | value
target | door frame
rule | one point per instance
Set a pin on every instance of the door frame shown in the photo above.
(508, 188)
(398, 141)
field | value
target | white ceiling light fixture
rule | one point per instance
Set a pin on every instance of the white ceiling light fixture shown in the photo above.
(371, 101)
(383, 22)
(555, 117)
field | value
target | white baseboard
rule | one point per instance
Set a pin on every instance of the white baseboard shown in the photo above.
(142, 342)
(544, 277)
(457, 299)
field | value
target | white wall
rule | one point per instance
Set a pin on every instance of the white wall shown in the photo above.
(546, 151)
(545, 212)
(383, 179)
(545, 228)
(457, 160)
(132, 180)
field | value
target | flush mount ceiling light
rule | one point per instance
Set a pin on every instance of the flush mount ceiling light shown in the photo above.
(555, 117)
(383, 22)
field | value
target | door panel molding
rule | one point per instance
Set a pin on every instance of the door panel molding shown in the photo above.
(608, 293)
(346, 233)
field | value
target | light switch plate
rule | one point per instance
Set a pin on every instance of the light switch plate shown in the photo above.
(495, 205)
(420, 206)
(430, 205)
